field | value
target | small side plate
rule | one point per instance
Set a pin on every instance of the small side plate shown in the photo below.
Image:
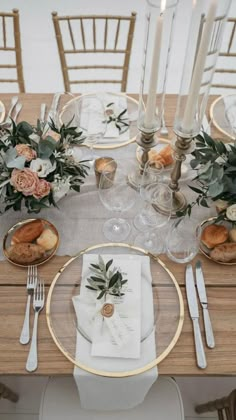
(12, 230)
(204, 250)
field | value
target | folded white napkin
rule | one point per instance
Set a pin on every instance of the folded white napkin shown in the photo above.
(119, 335)
(230, 110)
(101, 393)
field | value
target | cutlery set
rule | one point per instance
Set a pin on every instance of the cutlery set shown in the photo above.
(194, 312)
(35, 289)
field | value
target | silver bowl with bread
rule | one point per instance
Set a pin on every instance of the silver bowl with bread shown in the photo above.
(30, 242)
(218, 240)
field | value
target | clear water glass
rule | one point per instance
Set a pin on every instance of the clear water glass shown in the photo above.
(183, 240)
(117, 196)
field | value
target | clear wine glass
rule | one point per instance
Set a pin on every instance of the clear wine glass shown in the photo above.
(149, 181)
(183, 240)
(92, 120)
(151, 221)
(117, 196)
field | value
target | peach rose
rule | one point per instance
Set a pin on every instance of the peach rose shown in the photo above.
(24, 180)
(42, 189)
(26, 151)
(56, 136)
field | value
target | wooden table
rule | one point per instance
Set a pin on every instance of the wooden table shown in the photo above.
(221, 290)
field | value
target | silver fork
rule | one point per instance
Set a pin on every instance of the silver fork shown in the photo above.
(38, 304)
(31, 282)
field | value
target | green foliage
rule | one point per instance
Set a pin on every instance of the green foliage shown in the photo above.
(105, 280)
(215, 166)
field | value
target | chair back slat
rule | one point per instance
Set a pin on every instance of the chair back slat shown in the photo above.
(71, 33)
(83, 46)
(16, 48)
(4, 36)
(117, 33)
(94, 34)
(225, 407)
(231, 38)
(105, 33)
(82, 33)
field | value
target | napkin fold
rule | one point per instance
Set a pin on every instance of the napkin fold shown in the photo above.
(102, 393)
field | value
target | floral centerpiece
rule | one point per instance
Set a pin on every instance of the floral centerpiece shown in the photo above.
(37, 166)
(215, 165)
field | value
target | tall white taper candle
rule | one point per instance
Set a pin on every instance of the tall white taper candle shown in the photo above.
(151, 99)
(199, 66)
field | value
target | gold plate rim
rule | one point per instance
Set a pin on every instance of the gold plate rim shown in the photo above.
(211, 219)
(104, 146)
(134, 372)
(213, 119)
(2, 116)
(21, 223)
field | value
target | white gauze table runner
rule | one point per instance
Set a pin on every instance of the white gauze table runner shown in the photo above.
(103, 393)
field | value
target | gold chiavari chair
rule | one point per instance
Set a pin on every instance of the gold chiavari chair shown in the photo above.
(10, 42)
(225, 407)
(87, 35)
(224, 64)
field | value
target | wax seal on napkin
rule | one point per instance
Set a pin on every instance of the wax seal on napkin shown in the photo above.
(107, 310)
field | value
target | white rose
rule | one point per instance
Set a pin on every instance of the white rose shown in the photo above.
(42, 167)
(231, 212)
(60, 189)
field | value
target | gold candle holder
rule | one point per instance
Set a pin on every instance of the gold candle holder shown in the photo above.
(182, 147)
(105, 165)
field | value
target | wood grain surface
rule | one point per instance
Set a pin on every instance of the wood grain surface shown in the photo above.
(221, 290)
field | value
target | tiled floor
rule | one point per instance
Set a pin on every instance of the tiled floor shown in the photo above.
(194, 391)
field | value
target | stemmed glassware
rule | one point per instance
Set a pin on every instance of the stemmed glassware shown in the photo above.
(183, 239)
(92, 120)
(154, 193)
(117, 196)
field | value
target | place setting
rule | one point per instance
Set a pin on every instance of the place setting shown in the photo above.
(121, 237)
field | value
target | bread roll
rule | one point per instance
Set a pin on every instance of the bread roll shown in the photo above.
(47, 239)
(165, 156)
(224, 253)
(25, 253)
(28, 232)
(214, 235)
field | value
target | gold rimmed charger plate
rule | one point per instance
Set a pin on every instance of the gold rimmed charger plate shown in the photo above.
(131, 102)
(167, 300)
(12, 230)
(204, 250)
(218, 117)
(2, 112)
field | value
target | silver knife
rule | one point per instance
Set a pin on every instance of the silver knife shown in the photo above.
(203, 299)
(193, 310)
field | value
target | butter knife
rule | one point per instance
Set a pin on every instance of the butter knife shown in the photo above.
(203, 299)
(194, 314)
